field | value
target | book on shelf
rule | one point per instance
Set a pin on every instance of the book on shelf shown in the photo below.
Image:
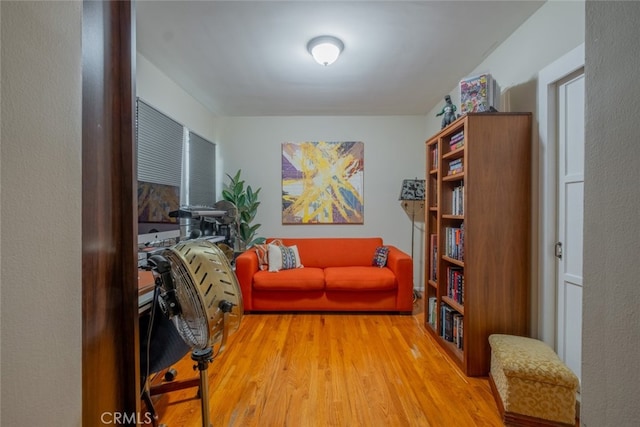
(456, 137)
(455, 284)
(455, 166)
(447, 322)
(434, 158)
(458, 330)
(457, 200)
(450, 328)
(432, 311)
(479, 93)
(454, 242)
(456, 141)
(433, 250)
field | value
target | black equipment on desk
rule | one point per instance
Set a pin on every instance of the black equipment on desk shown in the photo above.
(213, 221)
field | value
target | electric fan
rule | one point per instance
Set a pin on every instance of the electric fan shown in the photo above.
(199, 292)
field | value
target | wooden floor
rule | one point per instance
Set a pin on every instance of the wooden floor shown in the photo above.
(316, 370)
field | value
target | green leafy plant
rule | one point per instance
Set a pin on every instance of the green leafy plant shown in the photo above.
(246, 201)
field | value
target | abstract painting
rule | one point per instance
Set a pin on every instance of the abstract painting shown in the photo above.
(322, 182)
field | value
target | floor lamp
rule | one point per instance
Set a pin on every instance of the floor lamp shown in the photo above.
(412, 191)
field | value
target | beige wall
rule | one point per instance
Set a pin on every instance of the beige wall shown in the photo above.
(611, 325)
(40, 215)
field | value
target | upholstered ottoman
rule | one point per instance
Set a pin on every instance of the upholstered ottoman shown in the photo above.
(530, 383)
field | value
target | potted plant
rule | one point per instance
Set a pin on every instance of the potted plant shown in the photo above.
(246, 201)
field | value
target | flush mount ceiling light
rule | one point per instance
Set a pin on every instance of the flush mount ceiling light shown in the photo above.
(325, 49)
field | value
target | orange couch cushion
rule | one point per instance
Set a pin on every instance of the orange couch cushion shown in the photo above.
(297, 279)
(359, 279)
(324, 252)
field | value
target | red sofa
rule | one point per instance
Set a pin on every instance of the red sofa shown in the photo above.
(337, 275)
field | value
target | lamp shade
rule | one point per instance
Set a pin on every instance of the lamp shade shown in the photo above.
(412, 189)
(325, 49)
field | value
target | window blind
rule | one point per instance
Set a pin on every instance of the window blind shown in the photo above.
(159, 144)
(201, 160)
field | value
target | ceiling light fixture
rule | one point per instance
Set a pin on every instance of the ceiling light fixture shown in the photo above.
(325, 49)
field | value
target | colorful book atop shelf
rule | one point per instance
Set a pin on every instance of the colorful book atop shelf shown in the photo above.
(478, 93)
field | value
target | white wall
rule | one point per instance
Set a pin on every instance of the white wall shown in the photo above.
(162, 93)
(611, 324)
(40, 215)
(553, 30)
(393, 151)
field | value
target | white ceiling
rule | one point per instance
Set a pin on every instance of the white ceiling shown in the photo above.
(249, 58)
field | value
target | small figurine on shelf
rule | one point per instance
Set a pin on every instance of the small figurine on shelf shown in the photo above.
(449, 111)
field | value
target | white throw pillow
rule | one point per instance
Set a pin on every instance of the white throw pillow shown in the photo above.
(283, 257)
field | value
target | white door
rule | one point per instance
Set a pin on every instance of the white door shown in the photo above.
(561, 152)
(568, 250)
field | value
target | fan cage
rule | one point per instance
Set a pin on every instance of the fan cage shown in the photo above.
(203, 277)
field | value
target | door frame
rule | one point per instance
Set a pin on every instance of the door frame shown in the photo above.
(110, 361)
(548, 77)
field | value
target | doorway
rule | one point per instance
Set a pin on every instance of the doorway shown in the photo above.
(561, 132)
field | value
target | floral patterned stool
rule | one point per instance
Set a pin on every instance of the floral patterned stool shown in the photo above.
(530, 383)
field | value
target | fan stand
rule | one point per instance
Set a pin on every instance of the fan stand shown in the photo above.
(203, 358)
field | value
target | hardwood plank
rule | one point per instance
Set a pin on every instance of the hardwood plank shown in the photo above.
(333, 369)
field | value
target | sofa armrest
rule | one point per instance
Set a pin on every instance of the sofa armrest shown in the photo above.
(402, 266)
(246, 267)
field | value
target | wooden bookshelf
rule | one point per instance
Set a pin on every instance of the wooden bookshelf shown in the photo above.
(492, 170)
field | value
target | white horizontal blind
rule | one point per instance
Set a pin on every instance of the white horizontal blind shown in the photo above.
(201, 171)
(160, 142)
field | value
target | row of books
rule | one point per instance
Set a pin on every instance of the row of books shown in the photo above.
(456, 141)
(455, 284)
(452, 326)
(457, 200)
(479, 93)
(454, 242)
(455, 166)
(433, 251)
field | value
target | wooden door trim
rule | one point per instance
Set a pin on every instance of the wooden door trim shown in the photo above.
(110, 372)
